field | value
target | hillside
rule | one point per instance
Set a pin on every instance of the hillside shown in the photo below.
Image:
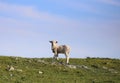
(43, 70)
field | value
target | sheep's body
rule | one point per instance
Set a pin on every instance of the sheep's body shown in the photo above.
(63, 49)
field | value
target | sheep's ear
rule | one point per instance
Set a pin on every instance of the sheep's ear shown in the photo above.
(56, 41)
(50, 41)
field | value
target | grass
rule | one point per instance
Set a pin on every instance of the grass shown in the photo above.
(100, 70)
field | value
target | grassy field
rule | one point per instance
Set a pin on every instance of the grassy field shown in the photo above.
(43, 70)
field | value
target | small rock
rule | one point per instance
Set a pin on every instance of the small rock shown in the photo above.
(11, 68)
(11, 75)
(115, 72)
(112, 71)
(40, 72)
(42, 61)
(83, 66)
(72, 66)
(16, 58)
(19, 70)
(105, 67)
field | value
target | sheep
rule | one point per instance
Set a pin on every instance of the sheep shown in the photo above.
(57, 49)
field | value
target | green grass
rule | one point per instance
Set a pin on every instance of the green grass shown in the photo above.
(99, 70)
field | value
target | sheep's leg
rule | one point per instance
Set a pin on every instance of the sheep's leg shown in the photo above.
(67, 58)
(55, 57)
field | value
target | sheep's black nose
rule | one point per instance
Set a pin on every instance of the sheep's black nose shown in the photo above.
(53, 51)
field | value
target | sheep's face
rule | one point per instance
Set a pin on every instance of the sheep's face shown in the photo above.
(53, 45)
(53, 42)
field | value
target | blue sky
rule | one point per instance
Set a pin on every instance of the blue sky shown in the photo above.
(90, 27)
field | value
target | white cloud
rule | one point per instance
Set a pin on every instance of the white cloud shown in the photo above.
(111, 2)
(25, 11)
(90, 7)
(35, 14)
(30, 17)
(76, 5)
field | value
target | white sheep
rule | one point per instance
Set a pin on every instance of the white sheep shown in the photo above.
(56, 49)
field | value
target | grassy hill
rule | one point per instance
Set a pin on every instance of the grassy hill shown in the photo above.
(43, 70)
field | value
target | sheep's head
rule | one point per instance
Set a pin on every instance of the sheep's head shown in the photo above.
(53, 45)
